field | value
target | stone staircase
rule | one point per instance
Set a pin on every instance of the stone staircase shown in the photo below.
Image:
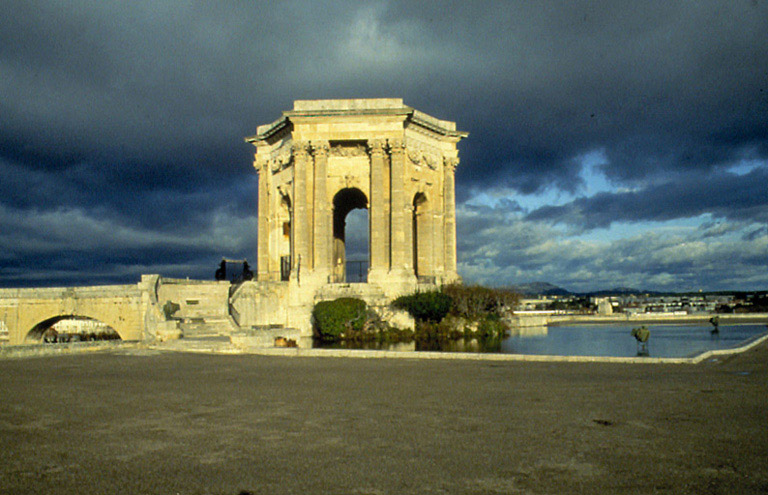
(264, 336)
(204, 334)
(216, 344)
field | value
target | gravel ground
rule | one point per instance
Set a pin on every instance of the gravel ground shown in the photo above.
(143, 421)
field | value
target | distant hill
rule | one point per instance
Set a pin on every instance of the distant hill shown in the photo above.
(539, 288)
(547, 289)
(621, 291)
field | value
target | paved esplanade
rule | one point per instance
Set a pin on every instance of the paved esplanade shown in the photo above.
(169, 423)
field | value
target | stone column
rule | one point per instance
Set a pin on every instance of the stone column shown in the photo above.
(438, 243)
(410, 250)
(300, 230)
(262, 261)
(449, 192)
(399, 208)
(377, 221)
(322, 214)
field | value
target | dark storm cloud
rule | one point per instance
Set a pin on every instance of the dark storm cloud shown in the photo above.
(538, 84)
(132, 114)
(72, 246)
(660, 87)
(724, 195)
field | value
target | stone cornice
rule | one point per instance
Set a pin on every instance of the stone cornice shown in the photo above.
(288, 114)
(265, 132)
(436, 128)
(413, 117)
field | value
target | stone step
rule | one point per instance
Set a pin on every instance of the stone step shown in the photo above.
(263, 336)
(207, 327)
(199, 344)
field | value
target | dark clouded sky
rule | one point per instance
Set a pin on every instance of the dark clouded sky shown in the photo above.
(611, 143)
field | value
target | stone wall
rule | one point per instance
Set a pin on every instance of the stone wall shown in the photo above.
(260, 304)
(196, 298)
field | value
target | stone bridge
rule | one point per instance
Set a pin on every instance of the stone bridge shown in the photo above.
(130, 310)
(201, 308)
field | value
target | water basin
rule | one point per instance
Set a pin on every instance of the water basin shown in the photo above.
(615, 340)
(673, 340)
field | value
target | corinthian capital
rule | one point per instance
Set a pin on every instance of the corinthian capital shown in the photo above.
(376, 147)
(451, 162)
(320, 148)
(396, 146)
(300, 148)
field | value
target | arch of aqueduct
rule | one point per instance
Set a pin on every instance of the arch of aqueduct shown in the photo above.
(316, 163)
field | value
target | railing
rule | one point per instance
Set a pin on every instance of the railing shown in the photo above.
(285, 268)
(357, 271)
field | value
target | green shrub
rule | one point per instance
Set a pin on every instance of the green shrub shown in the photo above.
(429, 306)
(492, 327)
(339, 318)
(474, 302)
(393, 335)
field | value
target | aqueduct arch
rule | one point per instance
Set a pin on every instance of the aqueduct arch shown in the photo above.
(36, 333)
(401, 161)
(123, 308)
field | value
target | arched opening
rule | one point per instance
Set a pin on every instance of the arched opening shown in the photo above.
(70, 328)
(284, 236)
(350, 246)
(420, 235)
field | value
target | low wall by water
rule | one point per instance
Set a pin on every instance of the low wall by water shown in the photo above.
(528, 320)
(725, 319)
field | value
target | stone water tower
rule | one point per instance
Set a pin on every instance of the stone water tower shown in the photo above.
(325, 158)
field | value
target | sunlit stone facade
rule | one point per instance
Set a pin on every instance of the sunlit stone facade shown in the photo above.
(326, 157)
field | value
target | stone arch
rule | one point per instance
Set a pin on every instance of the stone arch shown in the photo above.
(344, 201)
(421, 247)
(39, 331)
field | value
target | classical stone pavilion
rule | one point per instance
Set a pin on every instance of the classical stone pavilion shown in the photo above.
(316, 164)
(325, 158)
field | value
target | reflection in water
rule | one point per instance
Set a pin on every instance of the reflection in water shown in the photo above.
(491, 344)
(616, 340)
(583, 340)
(402, 346)
(436, 345)
(366, 345)
(539, 331)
